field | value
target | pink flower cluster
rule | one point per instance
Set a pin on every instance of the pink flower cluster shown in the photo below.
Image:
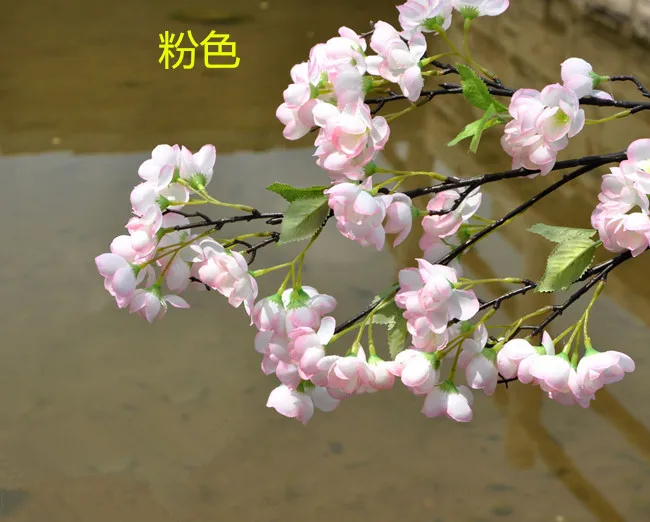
(555, 374)
(443, 225)
(541, 126)
(154, 241)
(429, 15)
(626, 188)
(429, 296)
(293, 333)
(328, 92)
(544, 121)
(579, 76)
(366, 218)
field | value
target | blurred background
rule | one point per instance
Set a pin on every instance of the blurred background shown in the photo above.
(104, 417)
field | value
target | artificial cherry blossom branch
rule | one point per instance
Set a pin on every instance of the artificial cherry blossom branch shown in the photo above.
(432, 306)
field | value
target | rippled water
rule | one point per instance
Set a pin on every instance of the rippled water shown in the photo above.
(107, 418)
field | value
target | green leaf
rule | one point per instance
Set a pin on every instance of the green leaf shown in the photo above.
(397, 338)
(390, 315)
(473, 146)
(568, 261)
(561, 234)
(292, 194)
(471, 129)
(475, 90)
(303, 218)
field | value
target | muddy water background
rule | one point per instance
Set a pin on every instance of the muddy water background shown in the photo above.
(104, 417)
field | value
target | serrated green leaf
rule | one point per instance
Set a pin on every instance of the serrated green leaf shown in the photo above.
(568, 261)
(397, 337)
(470, 130)
(386, 314)
(390, 315)
(303, 219)
(561, 234)
(473, 146)
(474, 89)
(292, 194)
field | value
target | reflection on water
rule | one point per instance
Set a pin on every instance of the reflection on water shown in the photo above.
(108, 418)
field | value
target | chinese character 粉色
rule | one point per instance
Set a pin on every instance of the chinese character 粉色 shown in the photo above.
(219, 41)
(168, 44)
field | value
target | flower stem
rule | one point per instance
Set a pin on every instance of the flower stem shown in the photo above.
(468, 23)
(264, 271)
(516, 325)
(452, 372)
(470, 284)
(395, 115)
(613, 117)
(445, 37)
(597, 291)
(406, 173)
(426, 61)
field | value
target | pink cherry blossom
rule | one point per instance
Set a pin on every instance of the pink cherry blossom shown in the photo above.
(288, 374)
(417, 371)
(119, 272)
(445, 225)
(291, 403)
(299, 92)
(523, 370)
(511, 355)
(551, 372)
(421, 15)
(574, 395)
(269, 314)
(383, 373)
(620, 232)
(297, 121)
(121, 275)
(123, 247)
(147, 194)
(399, 217)
(637, 165)
(597, 369)
(351, 375)
(198, 168)
(159, 170)
(473, 8)
(428, 292)
(225, 271)
(348, 86)
(305, 307)
(177, 264)
(347, 48)
(621, 190)
(542, 124)
(359, 214)
(299, 99)
(151, 305)
(423, 338)
(307, 347)
(480, 372)
(349, 137)
(269, 342)
(143, 230)
(579, 76)
(447, 399)
(398, 61)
